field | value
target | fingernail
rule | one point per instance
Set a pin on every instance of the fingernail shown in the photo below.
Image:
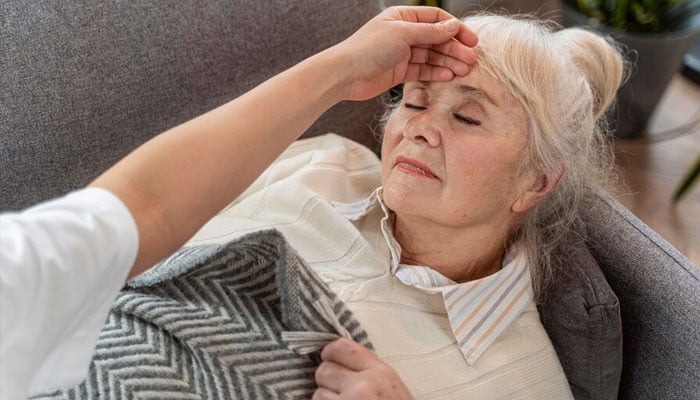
(451, 25)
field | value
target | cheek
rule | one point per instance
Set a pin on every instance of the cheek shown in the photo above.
(472, 163)
(393, 132)
(482, 172)
(393, 128)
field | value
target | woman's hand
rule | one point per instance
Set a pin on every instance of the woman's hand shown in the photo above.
(350, 371)
(405, 44)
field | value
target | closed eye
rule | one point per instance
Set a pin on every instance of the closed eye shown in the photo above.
(414, 106)
(467, 120)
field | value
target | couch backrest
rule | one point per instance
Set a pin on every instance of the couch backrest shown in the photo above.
(84, 82)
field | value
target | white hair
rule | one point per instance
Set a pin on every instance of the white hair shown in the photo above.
(566, 80)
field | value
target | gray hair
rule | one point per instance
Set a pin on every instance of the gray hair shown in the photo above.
(566, 80)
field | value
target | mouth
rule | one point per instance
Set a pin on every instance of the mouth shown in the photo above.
(414, 167)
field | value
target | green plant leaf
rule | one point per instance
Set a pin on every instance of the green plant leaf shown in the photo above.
(584, 6)
(641, 16)
(691, 178)
(620, 14)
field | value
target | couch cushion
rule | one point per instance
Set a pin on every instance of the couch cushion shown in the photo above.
(659, 294)
(84, 82)
(582, 316)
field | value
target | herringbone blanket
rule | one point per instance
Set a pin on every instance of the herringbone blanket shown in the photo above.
(208, 323)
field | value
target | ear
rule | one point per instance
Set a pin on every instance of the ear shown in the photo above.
(542, 185)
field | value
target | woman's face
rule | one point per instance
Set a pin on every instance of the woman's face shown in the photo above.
(451, 152)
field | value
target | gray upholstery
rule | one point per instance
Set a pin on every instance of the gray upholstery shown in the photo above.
(84, 82)
(582, 316)
(659, 294)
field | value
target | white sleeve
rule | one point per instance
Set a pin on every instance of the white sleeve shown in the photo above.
(62, 264)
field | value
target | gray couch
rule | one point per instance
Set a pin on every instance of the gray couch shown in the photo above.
(82, 83)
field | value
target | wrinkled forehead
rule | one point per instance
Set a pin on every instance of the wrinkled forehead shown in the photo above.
(518, 53)
(477, 85)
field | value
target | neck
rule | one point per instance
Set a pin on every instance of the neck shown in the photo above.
(461, 254)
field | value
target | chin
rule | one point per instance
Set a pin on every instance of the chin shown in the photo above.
(402, 198)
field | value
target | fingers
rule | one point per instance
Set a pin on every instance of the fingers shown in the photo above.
(428, 64)
(347, 353)
(403, 44)
(331, 376)
(350, 371)
(437, 59)
(325, 394)
(429, 16)
(426, 73)
(420, 14)
(454, 49)
(437, 33)
(434, 45)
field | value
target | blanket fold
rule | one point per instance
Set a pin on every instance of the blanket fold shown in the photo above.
(243, 320)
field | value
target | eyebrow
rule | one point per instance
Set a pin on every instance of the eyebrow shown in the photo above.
(473, 91)
(469, 91)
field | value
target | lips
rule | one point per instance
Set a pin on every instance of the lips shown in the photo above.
(414, 167)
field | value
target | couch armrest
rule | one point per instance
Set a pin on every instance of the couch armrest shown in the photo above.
(659, 293)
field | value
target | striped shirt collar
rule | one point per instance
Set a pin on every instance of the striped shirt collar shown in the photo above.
(478, 311)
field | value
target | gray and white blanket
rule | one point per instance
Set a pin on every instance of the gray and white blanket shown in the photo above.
(231, 321)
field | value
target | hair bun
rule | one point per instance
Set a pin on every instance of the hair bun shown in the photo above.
(600, 61)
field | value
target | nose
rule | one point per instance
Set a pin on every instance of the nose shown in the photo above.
(421, 128)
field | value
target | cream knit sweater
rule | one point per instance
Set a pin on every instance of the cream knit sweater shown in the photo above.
(408, 327)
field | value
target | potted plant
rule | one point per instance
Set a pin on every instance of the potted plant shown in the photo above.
(656, 33)
(432, 3)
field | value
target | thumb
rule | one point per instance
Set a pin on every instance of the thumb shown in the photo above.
(433, 33)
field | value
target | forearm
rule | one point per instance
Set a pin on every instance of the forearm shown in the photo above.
(173, 184)
(177, 181)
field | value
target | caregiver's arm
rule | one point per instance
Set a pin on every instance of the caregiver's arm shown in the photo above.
(178, 180)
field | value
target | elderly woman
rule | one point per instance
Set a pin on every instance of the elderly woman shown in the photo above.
(440, 248)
